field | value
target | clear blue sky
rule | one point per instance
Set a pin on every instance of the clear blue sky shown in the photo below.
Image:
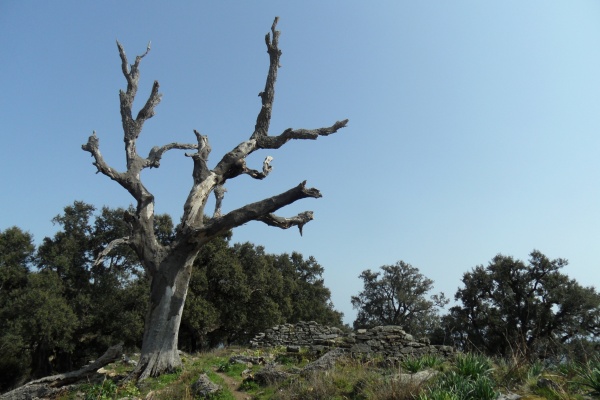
(474, 125)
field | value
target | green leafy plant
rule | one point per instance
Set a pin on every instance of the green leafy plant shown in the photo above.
(412, 364)
(588, 375)
(431, 361)
(224, 367)
(438, 394)
(103, 391)
(535, 369)
(473, 365)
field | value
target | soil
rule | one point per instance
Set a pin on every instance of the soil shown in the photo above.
(233, 386)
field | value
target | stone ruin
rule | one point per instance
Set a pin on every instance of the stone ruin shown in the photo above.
(388, 341)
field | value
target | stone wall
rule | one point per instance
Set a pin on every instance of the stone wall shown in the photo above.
(389, 341)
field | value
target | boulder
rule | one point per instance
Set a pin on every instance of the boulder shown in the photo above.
(204, 387)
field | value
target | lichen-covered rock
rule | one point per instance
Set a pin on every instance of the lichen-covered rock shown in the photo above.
(204, 387)
(324, 363)
(269, 375)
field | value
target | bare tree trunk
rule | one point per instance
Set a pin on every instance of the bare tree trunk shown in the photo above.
(161, 328)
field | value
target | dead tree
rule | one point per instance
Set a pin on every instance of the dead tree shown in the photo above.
(170, 267)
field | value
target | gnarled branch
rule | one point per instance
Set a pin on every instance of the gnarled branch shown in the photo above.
(155, 155)
(275, 142)
(93, 147)
(257, 211)
(284, 223)
(268, 94)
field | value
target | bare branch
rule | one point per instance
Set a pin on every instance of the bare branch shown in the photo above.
(257, 211)
(219, 195)
(109, 248)
(93, 147)
(147, 111)
(132, 128)
(275, 142)
(268, 94)
(155, 155)
(267, 168)
(124, 62)
(200, 158)
(233, 163)
(284, 223)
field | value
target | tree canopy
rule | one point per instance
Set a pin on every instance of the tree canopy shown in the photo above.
(396, 295)
(530, 309)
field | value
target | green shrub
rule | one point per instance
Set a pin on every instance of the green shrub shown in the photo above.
(473, 365)
(103, 391)
(412, 364)
(588, 375)
(431, 361)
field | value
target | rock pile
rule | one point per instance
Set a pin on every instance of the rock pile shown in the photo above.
(300, 334)
(389, 341)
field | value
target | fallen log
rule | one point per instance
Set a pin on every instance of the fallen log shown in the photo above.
(50, 385)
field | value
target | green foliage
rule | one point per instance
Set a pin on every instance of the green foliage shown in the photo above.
(588, 375)
(532, 310)
(248, 385)
(535, 369)
(109, 390)
(103, 391)
(16, 254)
(431, 361)
(396, 296)
(62, 306)
(239, 291)
(473, 365)
(412, 364)
(304, 290)
(468, 379)
(453, 385)
(438, 394)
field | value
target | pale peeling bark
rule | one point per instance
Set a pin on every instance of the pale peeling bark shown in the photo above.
(170, 266)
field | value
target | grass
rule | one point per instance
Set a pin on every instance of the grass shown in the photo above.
(466, 377)
(588, 375)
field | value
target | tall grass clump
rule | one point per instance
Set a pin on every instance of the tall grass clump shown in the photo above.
(431, 361)
(588, 375)
(470, 379)
(473, 365)
(412, 364)
(453, 385)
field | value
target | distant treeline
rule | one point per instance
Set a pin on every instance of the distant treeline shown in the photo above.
(64, 302)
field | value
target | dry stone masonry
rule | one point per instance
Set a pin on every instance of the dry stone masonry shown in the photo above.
(389, 341)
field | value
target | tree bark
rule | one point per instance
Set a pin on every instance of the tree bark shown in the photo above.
(168, 291)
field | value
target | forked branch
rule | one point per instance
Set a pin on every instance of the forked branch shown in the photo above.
(260, 211)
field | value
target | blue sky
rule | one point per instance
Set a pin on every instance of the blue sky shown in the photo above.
(474, 126)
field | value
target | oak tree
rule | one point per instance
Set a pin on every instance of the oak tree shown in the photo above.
(531, 309)
(169, 266)
(397, 295)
